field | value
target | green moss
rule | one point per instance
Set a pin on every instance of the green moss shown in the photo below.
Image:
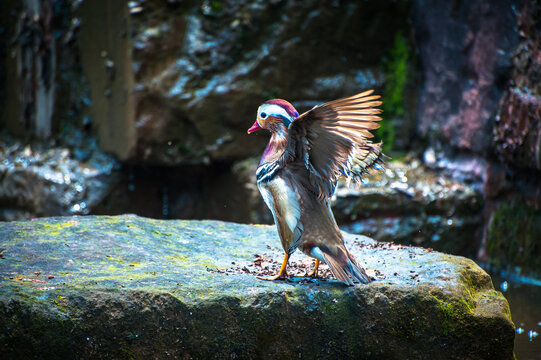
(453, 312)
(396, 76)
(115, 259)
(62, 304)
(176, 258)
(53, 230)
(514, 238)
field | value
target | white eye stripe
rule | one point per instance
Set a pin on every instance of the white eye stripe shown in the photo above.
(273, 110)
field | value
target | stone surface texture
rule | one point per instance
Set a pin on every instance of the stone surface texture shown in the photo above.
(40, 179)
(480, 98)
(409, 203)
(131, 287)
(465, 51)
(517, 131)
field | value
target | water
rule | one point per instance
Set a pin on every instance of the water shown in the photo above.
(525, 302)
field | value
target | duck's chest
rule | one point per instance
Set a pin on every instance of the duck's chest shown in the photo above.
(278, 194)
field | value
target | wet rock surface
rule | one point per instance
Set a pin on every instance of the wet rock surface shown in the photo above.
(43, 180)
(411, 204)
(130, 287)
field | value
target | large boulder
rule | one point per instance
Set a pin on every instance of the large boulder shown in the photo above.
(131, 287)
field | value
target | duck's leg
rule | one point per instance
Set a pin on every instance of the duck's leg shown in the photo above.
(281, 274)
(313, 274)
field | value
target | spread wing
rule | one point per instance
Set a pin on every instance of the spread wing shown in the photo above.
(333, 140)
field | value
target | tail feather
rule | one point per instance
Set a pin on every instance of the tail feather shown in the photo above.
(345, 268)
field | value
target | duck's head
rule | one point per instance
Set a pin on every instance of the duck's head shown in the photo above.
(274, 115)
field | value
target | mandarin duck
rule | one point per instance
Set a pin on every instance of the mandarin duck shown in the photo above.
(299, 168)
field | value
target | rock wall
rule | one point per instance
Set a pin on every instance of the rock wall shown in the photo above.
(517, 131)
(201, 70)
(410, 204)
(480, 105)
(30, 83)
(52, 164)
(465, 50)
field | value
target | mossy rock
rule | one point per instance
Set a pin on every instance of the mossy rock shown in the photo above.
(514, 238)
(129, 287)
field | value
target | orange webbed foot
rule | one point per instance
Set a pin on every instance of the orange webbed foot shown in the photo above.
(282, 274)
(313, 274)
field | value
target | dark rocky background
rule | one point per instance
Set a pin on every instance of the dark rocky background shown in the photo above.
(142, 107)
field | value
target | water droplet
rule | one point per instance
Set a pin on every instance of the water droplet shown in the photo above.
(532, 334)
(504, 286)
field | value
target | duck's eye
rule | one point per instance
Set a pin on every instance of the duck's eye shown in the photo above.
(263, 115)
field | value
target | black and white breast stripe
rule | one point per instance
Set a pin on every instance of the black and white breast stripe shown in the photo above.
(265, 172)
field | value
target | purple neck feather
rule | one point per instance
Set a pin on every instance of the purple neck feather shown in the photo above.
(275, 148)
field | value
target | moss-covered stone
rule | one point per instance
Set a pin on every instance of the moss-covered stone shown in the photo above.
(129, 287)
(514, 238)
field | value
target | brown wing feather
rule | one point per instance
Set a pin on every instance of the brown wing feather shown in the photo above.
(332, 140)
